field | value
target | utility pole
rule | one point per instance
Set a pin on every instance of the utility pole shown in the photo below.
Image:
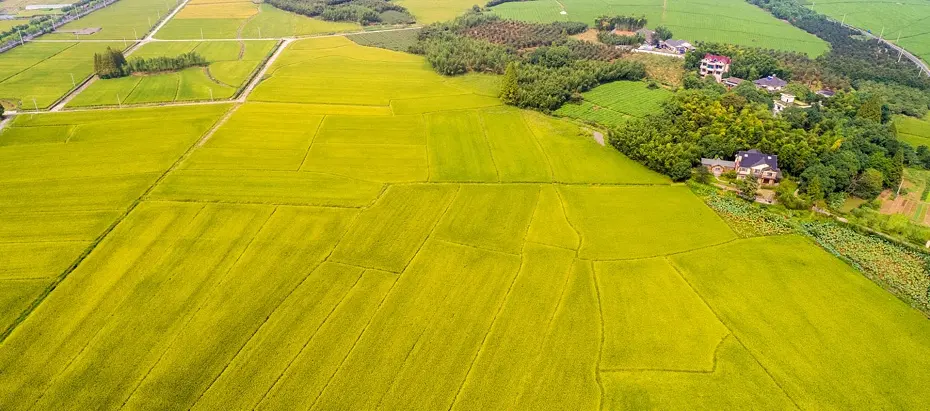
(843, 23)
(21, 42)
(150, 21)
(134, 34)
(211, 93)
(34, 104)
(881, 35)
(259, 32)
(73, 83)
(124, 43)
(118, 102)
(201, 33)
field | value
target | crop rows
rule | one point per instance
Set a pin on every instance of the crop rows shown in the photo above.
(288, 260)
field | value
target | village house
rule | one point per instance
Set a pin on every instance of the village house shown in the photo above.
(714, 65)
(647, 34)
(771, 83)
(676, 46)
(825, 93)
(753, 163)
(731, 82)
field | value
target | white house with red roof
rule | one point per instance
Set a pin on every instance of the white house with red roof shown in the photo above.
(715, 65)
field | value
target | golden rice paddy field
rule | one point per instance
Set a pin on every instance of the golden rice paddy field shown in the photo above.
(365, 234)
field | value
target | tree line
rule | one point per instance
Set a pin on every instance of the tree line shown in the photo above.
(364, 12)
(541, 78)
(113, 64)
(624, 23)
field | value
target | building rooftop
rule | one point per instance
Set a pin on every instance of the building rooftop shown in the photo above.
(713, 58)
(826, 92)
(770, 81)
(677, 43)
(717, 162)
(756, 158)
(733, 80)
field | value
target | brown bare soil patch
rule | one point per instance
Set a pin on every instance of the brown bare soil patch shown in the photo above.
(665, 70)
(588, 35)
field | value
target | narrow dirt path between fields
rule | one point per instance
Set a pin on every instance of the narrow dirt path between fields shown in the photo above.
(258, 76)
(206, 72)
(245, 23)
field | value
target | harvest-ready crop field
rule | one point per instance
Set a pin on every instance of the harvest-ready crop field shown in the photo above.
(212, 19)
(730, 21)
(38, 74)
(363, 233)
(614, 102)
(903, 21)
(231, 64)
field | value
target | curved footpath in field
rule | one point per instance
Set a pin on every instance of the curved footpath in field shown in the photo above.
(363, 233)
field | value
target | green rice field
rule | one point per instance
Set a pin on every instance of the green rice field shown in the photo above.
(728, 21)
(267, 22)
(903, 21)
(231, 65)
(363, 233)
(913, 131)
(38, 74)
(614, 103)
(125, 19)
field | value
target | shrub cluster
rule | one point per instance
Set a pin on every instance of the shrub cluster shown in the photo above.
(521, 35)
(612, 39)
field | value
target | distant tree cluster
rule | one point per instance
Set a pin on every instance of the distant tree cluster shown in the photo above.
(840, 146)
(849, 54)
(900, 99)
(364, 12)
(547, 71)
(624, 23)
(112, 63)
(493, 3)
